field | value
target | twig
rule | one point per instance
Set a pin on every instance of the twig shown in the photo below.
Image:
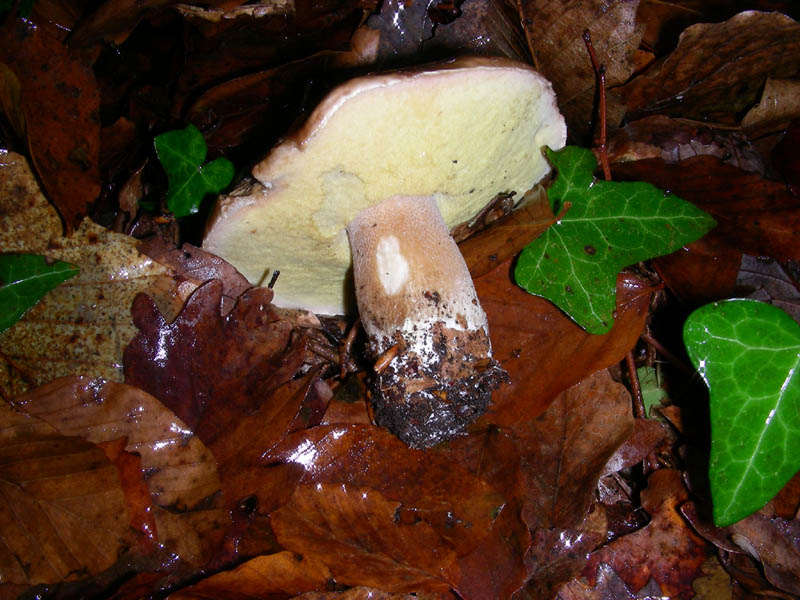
(636, 389)
(344, 350)
(662, 350)
(600, 78)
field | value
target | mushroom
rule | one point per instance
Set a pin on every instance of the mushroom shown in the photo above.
(387, 164)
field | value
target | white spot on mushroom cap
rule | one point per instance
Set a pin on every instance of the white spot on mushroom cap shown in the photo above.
(391, 264)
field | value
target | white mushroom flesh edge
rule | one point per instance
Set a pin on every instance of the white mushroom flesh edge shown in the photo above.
(454, 135)
(417, 301)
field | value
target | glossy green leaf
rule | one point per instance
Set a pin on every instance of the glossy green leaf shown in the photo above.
(182, 153)
(748, 353)
(24, 280)
(603, 226)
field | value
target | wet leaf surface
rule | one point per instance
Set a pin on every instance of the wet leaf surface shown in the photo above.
(63, 509)
(605, 227)
(181, 472)
(666, 549)
(747, 352)
(24, 280)
(60, 101)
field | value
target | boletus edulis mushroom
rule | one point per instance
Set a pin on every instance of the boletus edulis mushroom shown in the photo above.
(386, 165)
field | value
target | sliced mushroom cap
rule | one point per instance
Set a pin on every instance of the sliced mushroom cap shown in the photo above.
(461, 132)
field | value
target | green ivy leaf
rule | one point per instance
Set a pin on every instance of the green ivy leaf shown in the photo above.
(605, 227)
(182, 153)
(748, 353)
(24, 280)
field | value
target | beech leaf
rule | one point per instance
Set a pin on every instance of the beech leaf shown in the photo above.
(602, 227)
(24, 280)
(747, 352)
(182, 153)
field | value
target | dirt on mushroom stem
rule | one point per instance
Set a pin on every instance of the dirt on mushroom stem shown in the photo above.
(425, 400)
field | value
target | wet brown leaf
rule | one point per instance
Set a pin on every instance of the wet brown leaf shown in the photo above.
(609, 586)
(361, 536)
(719, 69)
(565, 450)
(204, 362)
(83, 325)
(459, 506)
(181, 473)
(60, 102)
(666, 549)
(63, 511)
(555, 37)
(286, 573)
(543, 350)
(779, 106)
(368, 593)
(646, 435)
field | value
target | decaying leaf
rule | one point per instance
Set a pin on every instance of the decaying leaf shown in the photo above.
(181, 472)
(64, 514)
(285, 572)
(566, 450)
(364, 538)
(458, 505)
(60, 101)
(779, 106)
(555, 36)
(718, 69)
(203, 360)
(666, 549)
(529, 335)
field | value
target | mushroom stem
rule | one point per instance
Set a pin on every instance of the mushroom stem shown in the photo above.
(414, 291)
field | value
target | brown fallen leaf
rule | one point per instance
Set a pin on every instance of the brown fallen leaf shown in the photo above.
(203, 362)
(609, 586)
(368, 593)
(63, 511)
(60, 101)
(666, 549)
(718, 69)
(543, 350)
(285, 573)
(362, 537)
(459, 506)
(555, 36)
(779, 106)
(181, 472)
(565, 450)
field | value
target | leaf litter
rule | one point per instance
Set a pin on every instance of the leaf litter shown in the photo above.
(319, 498)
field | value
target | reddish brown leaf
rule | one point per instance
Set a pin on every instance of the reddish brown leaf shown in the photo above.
(63, 512)
(204, 362)
(646, 435)
(181, 473)
(357, 532)
(667, 549)
(558, 555)
(60, 102)
(198, 266)
(555, 36)
(285, 573)
(368, 593)
(718, 68)
(565, 450)
(543, 350)
(459, 506)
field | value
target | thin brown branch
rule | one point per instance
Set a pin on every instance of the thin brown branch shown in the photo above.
(600, 78)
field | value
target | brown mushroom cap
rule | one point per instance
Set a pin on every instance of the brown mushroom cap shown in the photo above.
(461, 132)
